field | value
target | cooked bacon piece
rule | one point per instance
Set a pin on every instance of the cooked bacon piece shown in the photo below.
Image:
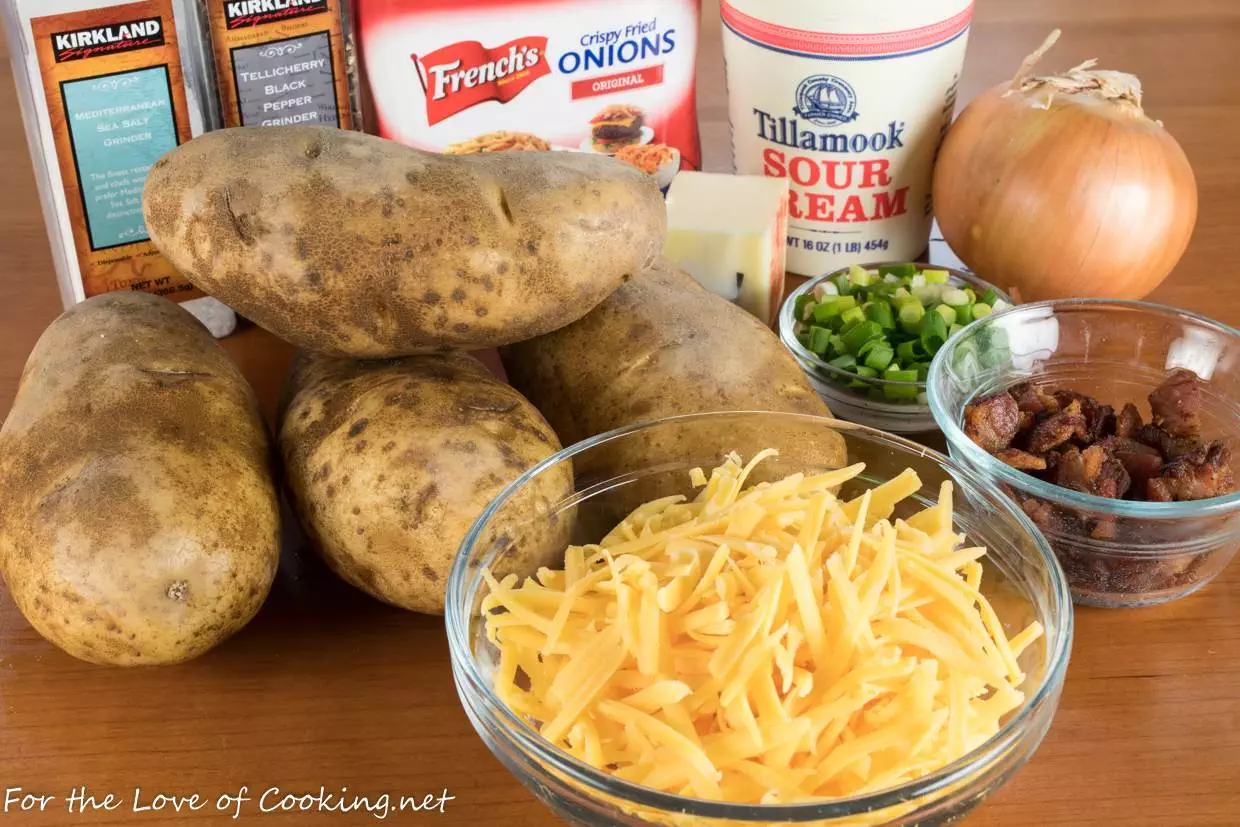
(1176, 403)
(1029, 397)
(991, 422)
(1200, 475)
(1099, 420)
(1139, 460)
(1128, 422)
(1051, 518)
(1171, 447)
(1105, 474)
(1021, 460)
(1057, 429)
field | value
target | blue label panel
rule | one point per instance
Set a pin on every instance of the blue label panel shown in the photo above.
(119, 126)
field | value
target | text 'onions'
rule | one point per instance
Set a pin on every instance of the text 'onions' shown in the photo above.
(1062, 187)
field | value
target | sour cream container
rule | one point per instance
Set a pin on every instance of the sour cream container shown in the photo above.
(849, 100)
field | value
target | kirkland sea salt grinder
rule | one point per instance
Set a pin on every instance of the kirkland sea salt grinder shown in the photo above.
(106, 89)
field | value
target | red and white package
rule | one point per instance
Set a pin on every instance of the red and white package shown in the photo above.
(465, 76)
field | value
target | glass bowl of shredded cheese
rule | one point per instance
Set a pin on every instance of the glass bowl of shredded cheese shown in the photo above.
(735, 632)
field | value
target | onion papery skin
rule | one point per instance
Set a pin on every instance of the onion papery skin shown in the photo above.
(1081, 197)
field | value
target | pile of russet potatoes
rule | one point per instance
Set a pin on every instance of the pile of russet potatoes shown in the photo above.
(141, 509)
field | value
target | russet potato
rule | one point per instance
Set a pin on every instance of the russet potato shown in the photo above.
(350, 245)
(141, 523)
(390, 462)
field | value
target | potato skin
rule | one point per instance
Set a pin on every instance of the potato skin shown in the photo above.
(141, 524)
(350, 245)
(662, 346)
(390, 462)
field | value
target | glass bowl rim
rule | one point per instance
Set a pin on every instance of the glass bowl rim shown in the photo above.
(807, 357)
(597, 782)
(979, 459)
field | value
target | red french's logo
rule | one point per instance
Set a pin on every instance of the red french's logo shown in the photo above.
(459, 76)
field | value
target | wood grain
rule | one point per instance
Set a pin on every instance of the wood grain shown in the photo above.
(328, 688)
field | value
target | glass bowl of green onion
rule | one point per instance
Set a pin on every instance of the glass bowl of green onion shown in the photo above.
(865, 336)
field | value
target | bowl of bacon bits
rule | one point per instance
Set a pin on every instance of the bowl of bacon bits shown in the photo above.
(750, 618)
(1112, 424)
(659, 161)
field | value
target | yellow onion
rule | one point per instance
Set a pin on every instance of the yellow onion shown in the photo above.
(1062, 187)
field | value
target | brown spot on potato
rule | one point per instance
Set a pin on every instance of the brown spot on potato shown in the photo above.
(458, 295)
(323, 472)
(480, 312)
(314, 278)
(360, 445)
(178, 591)
(430, 574)
(423, 499)
(431, 297)
(331, 492)
(357, 509)
(357, 427)
(461, 327)
(389, 445)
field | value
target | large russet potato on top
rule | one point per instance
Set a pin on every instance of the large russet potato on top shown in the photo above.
(140, 522)
(662, 346)
(350, 245)
(390, 462)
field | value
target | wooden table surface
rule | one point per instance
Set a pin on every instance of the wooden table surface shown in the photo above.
(328, 689)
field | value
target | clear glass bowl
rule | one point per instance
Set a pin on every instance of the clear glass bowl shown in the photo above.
(615, 472)
(867, 405)
(1117, 352)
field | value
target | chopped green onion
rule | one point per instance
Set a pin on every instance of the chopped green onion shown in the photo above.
(954, 296)
(905, 392)
(824, 290)
(819, 340)
(863, 372)
(804, 304)
(888, 322)
(859, 335)
(852, 316)
(910, 317)
(844, 362)
(927, 293)
(879, 357)
(911, 351)
(860, 276)
(933, 332)
(898, 270)
(880, 313)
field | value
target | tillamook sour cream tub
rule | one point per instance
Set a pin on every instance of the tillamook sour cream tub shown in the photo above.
(848, 100)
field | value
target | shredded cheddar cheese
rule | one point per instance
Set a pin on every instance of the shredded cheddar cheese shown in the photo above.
(769, 644)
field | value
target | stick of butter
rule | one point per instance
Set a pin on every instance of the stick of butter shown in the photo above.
(730, 233)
